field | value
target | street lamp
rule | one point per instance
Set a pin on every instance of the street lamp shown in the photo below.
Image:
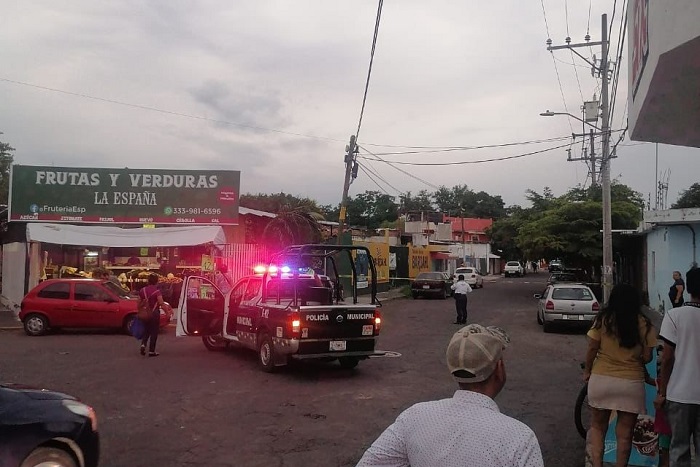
(605, 176)
(549, 113)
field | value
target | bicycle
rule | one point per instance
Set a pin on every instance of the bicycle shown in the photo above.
(581, 415)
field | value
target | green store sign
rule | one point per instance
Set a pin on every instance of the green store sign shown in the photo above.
(123, 196)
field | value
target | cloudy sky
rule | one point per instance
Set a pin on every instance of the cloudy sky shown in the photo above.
(274, 89)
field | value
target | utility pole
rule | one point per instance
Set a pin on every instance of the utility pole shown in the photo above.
(605, 167)
(605, 159)
(350, 151)
(594, 179)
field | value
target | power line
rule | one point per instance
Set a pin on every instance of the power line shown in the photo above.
(390, 164)
(167, 112)
(370, 177)
(374, 171)
(556, 69)
(619, 52)
(371, 61)
(469, 148)
(473, 162)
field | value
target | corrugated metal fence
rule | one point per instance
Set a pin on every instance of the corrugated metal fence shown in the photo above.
(240, 259)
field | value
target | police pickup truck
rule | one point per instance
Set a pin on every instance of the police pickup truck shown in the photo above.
(291, 310)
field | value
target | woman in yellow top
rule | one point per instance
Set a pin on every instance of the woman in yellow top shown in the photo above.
(620, 344)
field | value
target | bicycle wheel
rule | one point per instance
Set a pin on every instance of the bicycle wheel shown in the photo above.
(581, 413)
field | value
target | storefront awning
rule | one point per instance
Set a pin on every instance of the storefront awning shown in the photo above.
(90, 235)
(439, 255)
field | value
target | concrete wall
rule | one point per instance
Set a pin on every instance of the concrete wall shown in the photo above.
(669, 24)
(669, 248)
(13, 270)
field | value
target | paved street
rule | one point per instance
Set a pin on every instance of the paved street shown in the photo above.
(192, 407)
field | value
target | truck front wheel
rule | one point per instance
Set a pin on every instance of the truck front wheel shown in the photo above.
(266, 353)
(214, 343)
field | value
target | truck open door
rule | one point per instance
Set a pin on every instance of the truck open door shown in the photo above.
(201, 310)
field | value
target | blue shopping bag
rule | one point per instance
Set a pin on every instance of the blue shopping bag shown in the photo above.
(138, 328)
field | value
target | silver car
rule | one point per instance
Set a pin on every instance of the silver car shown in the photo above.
(566, 303)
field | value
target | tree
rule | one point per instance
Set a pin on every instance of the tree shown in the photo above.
(291, 227)
(569, 227)
(6, 160)
(462, 201)
(372, 209)
(421, 202)
(689, 198)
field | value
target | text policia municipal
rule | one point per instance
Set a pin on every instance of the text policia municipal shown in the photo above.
(145, 198)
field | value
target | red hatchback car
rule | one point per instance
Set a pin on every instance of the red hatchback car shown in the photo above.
(79, 303)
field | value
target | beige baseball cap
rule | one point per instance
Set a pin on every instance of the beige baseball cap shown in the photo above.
(474, 351)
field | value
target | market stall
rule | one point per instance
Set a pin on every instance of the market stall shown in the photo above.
(130, 254)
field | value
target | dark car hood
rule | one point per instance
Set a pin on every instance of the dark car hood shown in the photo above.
(35, 393)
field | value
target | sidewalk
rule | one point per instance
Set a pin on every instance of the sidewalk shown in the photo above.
(8, 320)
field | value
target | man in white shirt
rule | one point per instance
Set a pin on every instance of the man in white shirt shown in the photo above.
(467, 429)
(461, 289)
(679, 379)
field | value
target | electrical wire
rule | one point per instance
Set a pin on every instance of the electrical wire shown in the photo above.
(371, 61)
(167, 112)
(619, 52)
(390, 164)
(473, 162)
(375, 182)
(556, 69)
(469, 148)
(374, 171)
(588, 26)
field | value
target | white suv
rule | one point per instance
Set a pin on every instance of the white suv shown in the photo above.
(472, 276)
(513, 268)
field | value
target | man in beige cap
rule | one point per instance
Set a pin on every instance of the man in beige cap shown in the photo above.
(467, 429)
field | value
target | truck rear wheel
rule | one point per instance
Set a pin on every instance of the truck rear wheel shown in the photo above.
(266, 353)
(348, 362)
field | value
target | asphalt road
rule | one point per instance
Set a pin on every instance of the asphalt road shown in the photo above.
(193, 407)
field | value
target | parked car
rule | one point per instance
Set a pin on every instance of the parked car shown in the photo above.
(432, 284)
(471, 275)
(79, 303)
(514, 268)
(46, 428)
(555, 265)
(566, 303)
(560, 276)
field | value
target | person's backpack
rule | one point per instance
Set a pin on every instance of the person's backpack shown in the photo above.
(144, 310)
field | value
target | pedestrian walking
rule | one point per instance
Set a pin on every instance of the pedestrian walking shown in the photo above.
(679, 381)
(620, 344)
(152, 325)
(467, 429)
(675, 293)
(461, 289)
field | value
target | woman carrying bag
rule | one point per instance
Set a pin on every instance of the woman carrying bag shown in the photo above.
(620, 344)
(151, 320)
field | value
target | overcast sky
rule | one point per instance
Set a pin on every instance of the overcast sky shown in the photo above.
(274, 89)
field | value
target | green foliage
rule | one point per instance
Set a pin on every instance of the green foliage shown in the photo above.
(567, 227)
(292, 227)
(460, 200)
(421, 202)
(296, 222)
(6, 160)
(689, 198)
(371, 209)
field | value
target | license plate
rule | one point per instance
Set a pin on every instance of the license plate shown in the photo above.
(367, 330)
(338, 346)
(572, 317)
(426, 286)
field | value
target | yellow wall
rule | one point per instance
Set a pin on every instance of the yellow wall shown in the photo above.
(418, 260)
(380, 256)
